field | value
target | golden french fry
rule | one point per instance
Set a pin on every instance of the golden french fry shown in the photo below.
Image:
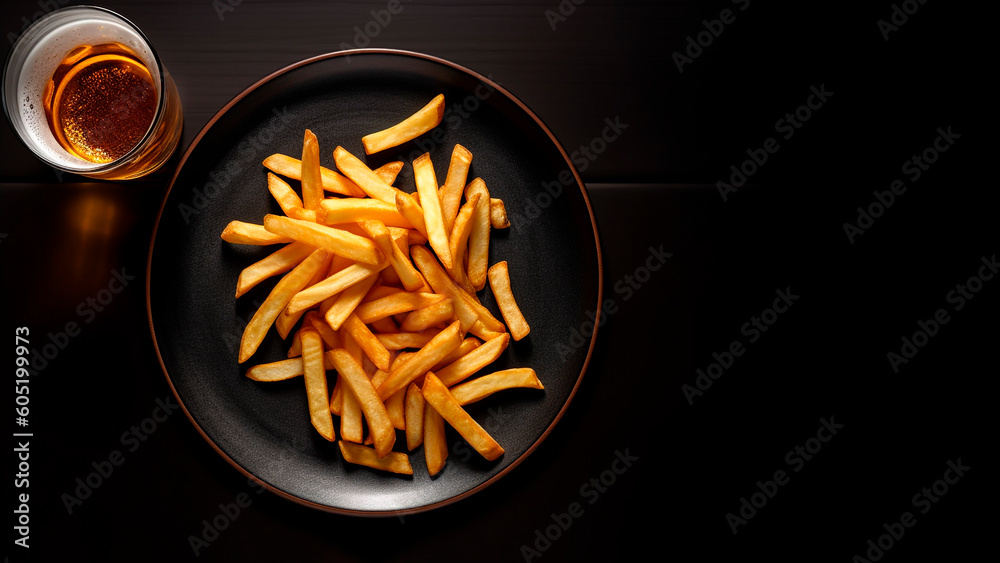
(441, 400)
(427, 187)
(467, 345)
(389, 171)
(482, 356)
(332, 285)
(279, 370)
(382, 431)
(353, 210)
(278, 262)
(498, 214)
(283, 291)
(397, 302)
(400, 262)
(315, 378)
(330, 337)
(413, 415)
(479, 236)
(467, 309)
(425, 119)
(296, 347)
(396, 462)
(500, 284)
(239, 232)
(454, 184)
(286, 320)
(403, 340)
(459, 243)
(291, 167)
(421, 361)
(395, 406)
(312, 181)
(364, 177)
(480, 330)
(337, 241)
(435, 447)
(481, 387)
(283, 193)
(374, 349)
(348, 300)
(430, 316)
(408, 208)
(351, 416)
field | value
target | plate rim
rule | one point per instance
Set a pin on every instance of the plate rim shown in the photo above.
(598, 309)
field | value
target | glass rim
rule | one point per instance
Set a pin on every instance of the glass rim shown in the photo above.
(161, 91)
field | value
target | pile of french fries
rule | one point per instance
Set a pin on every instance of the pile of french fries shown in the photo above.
(378, 295)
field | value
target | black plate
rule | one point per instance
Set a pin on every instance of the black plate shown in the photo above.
(263, 429)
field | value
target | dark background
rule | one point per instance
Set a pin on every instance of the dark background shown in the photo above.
(826, 357)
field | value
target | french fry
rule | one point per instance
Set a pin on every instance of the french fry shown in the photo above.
(454, 184)
(351, 416)
(312, 181)
(382, 431)
(418, 364)
(352, 210)
(398, 302)
(337, 241)
(330, 337)
(430, 316)
(279, 370)
(395, 462)
(239, 232)
(440, 399)
(459, 243)
(482, 387)
(498, 214)
(427, 187)
(347, 301)
(425, 119)
(364, 177)
(283, 291)
(413, 414)
(467, 345)
(286, 320)
(435, 447)
(315, 378)
(283, 193)
(408, 208)
(479, 236)
(477, 359)
(500, 284)
(403, 340)
(332, 285)
(333, 181)
(278, 262)
(400, 262)
(374, 349)
(389, 171)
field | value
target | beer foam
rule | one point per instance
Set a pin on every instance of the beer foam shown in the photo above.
(44, 55)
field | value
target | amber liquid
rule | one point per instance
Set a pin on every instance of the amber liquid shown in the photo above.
(100, 102)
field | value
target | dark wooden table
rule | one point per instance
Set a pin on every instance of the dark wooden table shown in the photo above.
(805, 378)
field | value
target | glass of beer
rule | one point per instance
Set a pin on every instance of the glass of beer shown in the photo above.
(86, 93)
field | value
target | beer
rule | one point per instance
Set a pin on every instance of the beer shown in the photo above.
(86, 93)
(100, 101)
